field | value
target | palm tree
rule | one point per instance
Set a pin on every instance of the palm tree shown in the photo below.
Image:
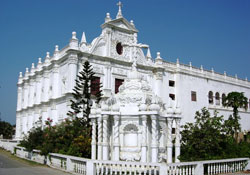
(235, 100)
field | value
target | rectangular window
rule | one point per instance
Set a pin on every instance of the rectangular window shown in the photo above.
(118, 83)
(171, 83)
(95, 85)
(193, 96)
(172, 96)
(173, 130)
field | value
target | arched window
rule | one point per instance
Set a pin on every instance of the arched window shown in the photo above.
(210, 97)
(217, 98)
(130, 135)
(223, 98)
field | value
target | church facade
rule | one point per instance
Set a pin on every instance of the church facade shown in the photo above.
(146, 99)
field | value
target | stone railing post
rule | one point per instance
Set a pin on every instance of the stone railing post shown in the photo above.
(199, 169)
(90, 168)
(163, 169)
(248, 165)
(69, 165)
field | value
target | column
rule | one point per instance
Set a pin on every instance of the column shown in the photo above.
(54, 114)
(19, 97)
(18, 126)
(99, 154)
(31, 92)
(109, 77)
(105, 85)
(105, 138)
(44, 115)
(116, 144)
(93, 142)
(46, 86)
(73, 59)
(55, 85)
(38, 89)
(25, 95)
(159, 79)
(144, 139)
(154, 146)
(169, 139)
(177, 140)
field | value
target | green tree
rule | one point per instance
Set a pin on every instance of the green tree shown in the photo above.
(203, 139)
(81, 104)
(235, 100)
(6, 129)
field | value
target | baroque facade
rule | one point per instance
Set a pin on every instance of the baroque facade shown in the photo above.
(146, 99)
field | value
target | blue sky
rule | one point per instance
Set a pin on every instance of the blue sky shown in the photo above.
(212, 33)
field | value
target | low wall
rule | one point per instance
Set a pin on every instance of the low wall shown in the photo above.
(8, 144)
(77, 165)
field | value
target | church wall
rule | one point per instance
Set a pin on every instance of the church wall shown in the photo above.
(202, 86)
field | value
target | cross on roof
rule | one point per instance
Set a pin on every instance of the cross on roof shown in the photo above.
(119, 14)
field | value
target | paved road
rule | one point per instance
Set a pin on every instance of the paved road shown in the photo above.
(15, 166)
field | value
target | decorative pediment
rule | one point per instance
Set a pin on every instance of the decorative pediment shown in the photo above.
(121, 24)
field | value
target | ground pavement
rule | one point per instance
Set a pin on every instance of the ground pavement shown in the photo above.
(11, 165)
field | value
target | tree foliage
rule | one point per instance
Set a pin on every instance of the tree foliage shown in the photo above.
(6, 129)
(235, 100)
(207, 139)
(82, 102)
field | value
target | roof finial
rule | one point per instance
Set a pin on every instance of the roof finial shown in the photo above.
(119, 14)
(149, 54)
(108, 18)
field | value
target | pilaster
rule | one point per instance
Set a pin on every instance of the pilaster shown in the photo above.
(93, 142)
(72, 63)
(116, 138)
(99, 154)
(154, 146)
(105, 138)
(144, 139)
(169, 140)
(177, 140)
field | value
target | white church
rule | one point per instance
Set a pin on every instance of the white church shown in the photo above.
(146, 99)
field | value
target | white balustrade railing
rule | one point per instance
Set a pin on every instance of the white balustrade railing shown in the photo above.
(57, 161)
(225, 166)
(181, 168)
(126, 168)
(84, 166)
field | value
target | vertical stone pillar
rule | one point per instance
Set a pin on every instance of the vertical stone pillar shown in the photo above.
(44, 115)
(93, 142)
(106, 75)
(73, 60)
(105, 138)
(38, 89)
(159, 79)
(169, 140)
(31, 93)
(109, 77)
(18, 126)
(116, 138)
(46, 86)
(55, 85)
(144, 139)
(99, 153)
(177, 140)
(54, 114)
(154, 146)
(26, 95)
(19, 97)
